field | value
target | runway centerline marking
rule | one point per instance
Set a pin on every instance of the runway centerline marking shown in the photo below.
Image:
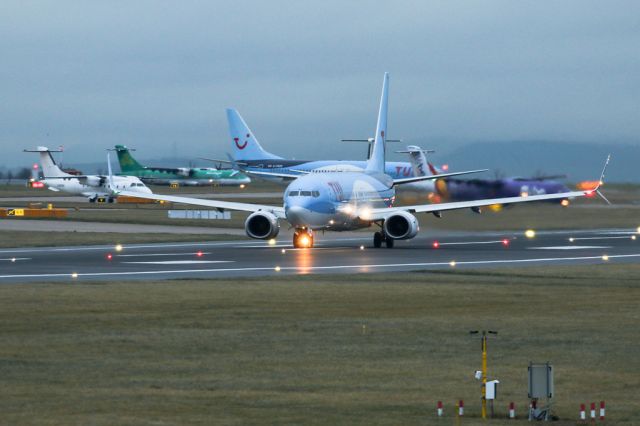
(462, 243)
(179, 262)
(334, 267)
(569, 247)
(603, 238)
(163, 254)
(15, 259)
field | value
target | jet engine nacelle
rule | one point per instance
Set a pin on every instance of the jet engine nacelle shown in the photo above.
(401, 226)
(262, 226)
(95, 181)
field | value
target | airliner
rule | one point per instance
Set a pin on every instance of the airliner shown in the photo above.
(349, 200)
(94, 187)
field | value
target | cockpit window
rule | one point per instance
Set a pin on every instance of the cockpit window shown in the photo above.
(305, 193)
(293, 193)
(316, 194)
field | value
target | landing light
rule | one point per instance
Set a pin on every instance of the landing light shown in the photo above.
(283, 251)
(365, 213)
(452, 263)
(571, 239)
(243, 186)
(530, 233)
(633, 237)
(74, 275)
(605, 257)
(304, 241)
(524, 194)
(118, 247)
(638, 230)
(564, 203)
(361, 247)
(277, 269)
(13, 260)
(272, 242)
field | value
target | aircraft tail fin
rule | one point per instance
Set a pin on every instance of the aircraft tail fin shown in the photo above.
(377, 161)
(244, 144)
(418, 160)
(126, 160)
(48, 164)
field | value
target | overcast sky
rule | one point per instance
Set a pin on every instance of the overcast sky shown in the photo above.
(90, 74)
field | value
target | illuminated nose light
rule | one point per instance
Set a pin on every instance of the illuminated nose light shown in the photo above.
(436, 244)
(633, 237)
(452, 263)
(571, 239)
(277, 269)
(564, 203)
(605, 257)
(118, 247)
(361, 247)
(530, 233)
(13, 259)
(74, 275)
(272, 242)
(243, 186)
(283, 251)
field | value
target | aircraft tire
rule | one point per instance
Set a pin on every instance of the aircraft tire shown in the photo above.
(389, 242)
(377, 240)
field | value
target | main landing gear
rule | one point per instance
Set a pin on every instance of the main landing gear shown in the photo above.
(303, 238)
(379, 238)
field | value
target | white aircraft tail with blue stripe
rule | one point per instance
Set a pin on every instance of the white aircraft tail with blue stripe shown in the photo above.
(376, 162)
(244, 144)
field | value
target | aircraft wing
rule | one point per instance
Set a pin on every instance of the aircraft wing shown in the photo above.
(275, 174)
(382, 213)
(434, 177)
(222, 205)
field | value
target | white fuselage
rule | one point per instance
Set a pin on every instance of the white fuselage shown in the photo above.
(96, 186)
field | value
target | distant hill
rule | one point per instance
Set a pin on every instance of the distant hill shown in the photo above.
(576, 160)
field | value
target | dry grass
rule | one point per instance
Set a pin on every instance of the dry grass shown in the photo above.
(293, 349)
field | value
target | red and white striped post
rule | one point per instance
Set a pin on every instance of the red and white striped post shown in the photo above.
(593, 411)
(583, 414)
(602, 410)
(512, 410)
(440, 409)
(461, 408)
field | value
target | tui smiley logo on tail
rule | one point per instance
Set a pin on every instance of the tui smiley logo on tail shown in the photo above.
(242, 145)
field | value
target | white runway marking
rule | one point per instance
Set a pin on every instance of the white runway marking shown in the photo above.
(569, 247)
(163, 254)
(181, 262)
(602, 238)
(15, 259)
(462, 243)
(335, 267)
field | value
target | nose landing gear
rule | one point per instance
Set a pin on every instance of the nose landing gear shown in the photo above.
(303, 238)
(379, 238)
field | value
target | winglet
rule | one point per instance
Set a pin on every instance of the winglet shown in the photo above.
(596, 190)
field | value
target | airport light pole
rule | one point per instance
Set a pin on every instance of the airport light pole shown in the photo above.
(484, 336)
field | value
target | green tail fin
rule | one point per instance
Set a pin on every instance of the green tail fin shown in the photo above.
(127, 162)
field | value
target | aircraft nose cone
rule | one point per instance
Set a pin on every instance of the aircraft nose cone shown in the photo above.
(296, 215)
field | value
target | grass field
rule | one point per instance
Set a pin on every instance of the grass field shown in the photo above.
(52, 239)
(349, 349)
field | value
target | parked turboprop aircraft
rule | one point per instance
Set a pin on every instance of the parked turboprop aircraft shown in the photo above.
(95, 187)
(342, 201)
(190, 176)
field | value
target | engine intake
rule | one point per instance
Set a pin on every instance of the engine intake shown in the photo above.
(401, 226)
(262, 226)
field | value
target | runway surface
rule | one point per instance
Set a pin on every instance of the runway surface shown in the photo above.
(334, 253)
